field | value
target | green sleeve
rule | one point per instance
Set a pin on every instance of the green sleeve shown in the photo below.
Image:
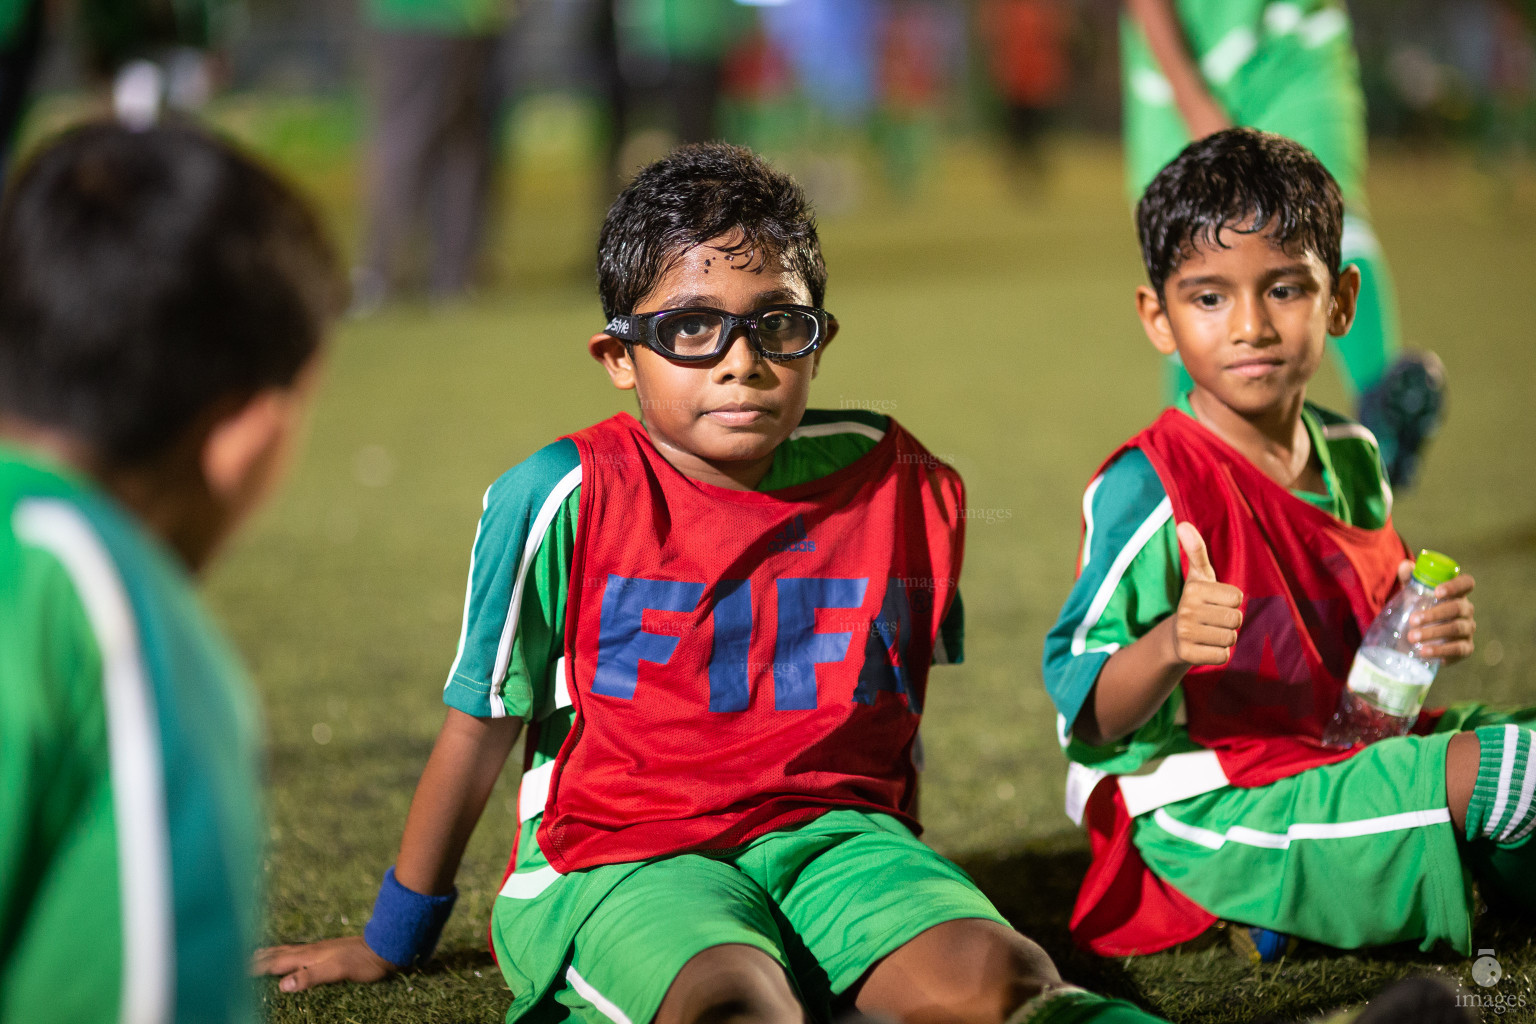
(514, 614)
(1130, 580)
(58, 853)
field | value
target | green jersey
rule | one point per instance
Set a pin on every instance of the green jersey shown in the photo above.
(511, 656)
(129, 827)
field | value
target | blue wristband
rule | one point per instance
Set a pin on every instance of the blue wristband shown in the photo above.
(406, 924)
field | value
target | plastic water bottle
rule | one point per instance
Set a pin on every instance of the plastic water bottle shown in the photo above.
(1389, 679)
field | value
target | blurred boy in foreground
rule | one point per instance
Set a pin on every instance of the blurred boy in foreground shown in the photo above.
(162, 306)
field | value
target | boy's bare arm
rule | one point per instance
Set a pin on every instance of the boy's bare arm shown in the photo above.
(1202, 112)
(1136, 680)
(463, 767)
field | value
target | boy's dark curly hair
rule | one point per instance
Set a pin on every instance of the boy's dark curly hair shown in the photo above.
(1239, 180)
(149, 277)
(696, 193)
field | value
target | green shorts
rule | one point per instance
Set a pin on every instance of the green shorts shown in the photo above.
(827, 901)
(1359, 853)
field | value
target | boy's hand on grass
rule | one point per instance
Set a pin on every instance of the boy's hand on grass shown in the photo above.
(322, 963)
(1443, 630)
(1208, 616)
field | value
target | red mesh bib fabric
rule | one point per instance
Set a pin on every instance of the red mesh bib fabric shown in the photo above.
(1311, 586)
(740, 662)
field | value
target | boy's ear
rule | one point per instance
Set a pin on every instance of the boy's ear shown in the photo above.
(616, 359)
(246, 449)
(1154, 320)
(1346, 296)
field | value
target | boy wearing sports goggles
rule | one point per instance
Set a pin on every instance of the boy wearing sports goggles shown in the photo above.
(718, 620)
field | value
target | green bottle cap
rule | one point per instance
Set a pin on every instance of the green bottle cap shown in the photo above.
(1432, 568)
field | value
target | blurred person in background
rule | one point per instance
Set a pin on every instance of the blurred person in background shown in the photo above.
(1194, 67)
(152, 55)
(916, 40)
(833, 49)
(21, 35)
(1027, 60)
(758, 94)
(673, 52)
(430, 155)
(665, 70)
(157, 54)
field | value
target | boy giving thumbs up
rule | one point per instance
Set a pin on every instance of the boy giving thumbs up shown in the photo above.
(1233, 554)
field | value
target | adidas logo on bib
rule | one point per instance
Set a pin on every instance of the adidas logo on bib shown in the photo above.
(791, 538)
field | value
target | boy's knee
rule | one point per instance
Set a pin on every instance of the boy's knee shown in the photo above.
(731, 984)
(970, 971)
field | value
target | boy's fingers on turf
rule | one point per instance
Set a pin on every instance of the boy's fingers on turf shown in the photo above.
(272, 959)
(321, 963)
(1194, 549)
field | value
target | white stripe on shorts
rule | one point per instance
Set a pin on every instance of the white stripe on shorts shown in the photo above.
(596, 998)
(1245, 836)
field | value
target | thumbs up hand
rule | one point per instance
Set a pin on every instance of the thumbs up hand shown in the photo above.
(1208, 616)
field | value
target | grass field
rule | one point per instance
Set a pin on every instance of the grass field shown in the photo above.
(1001, 332)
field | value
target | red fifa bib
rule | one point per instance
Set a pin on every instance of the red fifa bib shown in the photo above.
(1311, 585)
(741, 662)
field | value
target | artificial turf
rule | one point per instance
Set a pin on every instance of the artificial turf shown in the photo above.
(1000, 330)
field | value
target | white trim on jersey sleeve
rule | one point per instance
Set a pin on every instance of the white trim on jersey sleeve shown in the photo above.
(536, 532)
(137, 762)
(1093, 488)
(839, 427)
(1144, 533)
(1360, 432)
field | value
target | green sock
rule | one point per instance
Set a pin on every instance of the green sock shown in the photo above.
(1503, 802)
(1372, 343)
(1075, 1006)
(1507, 876)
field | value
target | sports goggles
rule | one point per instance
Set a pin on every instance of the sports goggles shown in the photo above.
(698, 333)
